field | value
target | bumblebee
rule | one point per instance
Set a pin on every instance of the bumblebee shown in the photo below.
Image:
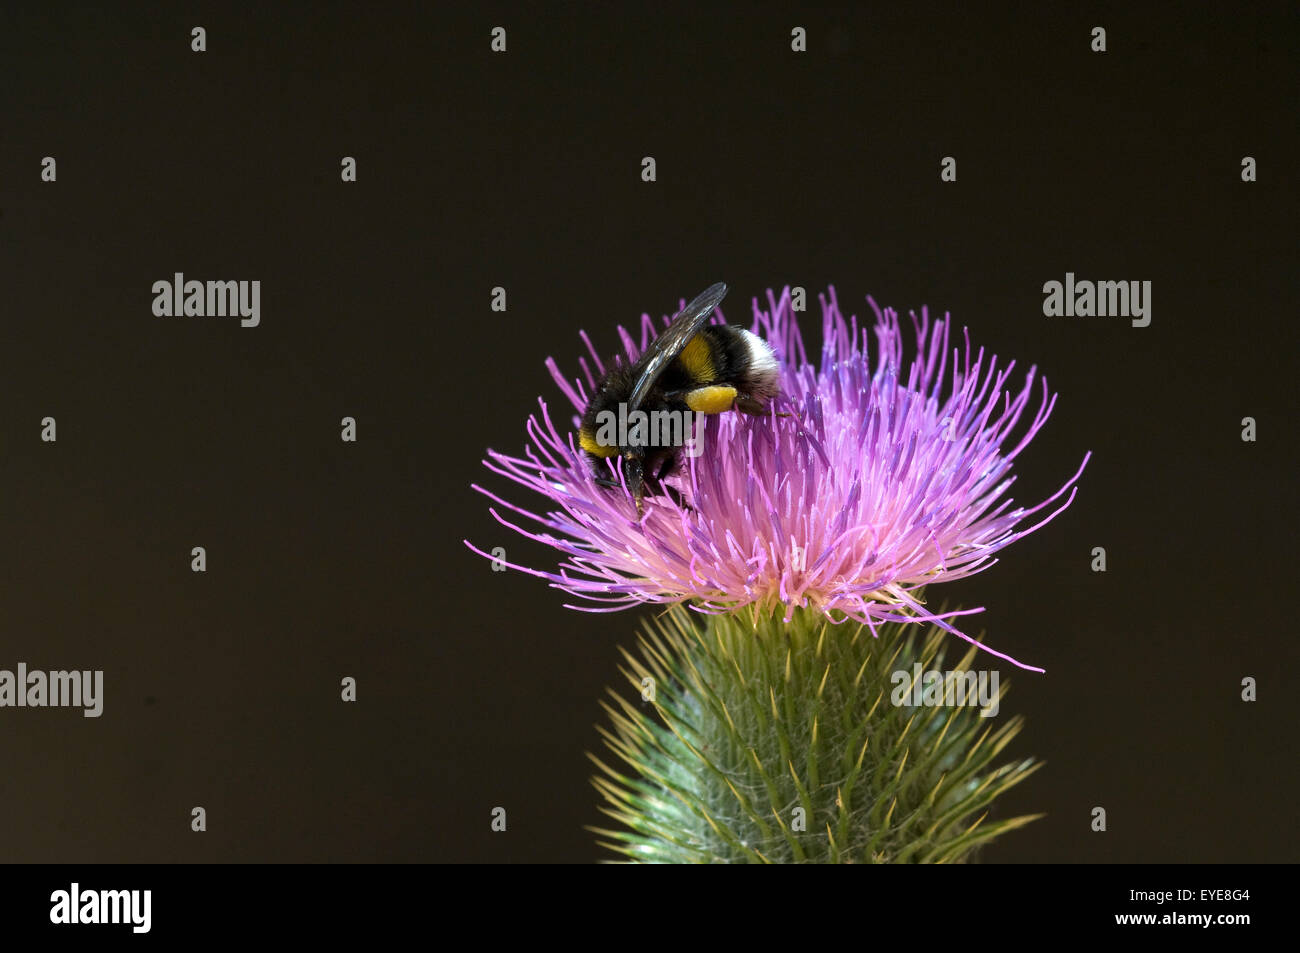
(691, 368)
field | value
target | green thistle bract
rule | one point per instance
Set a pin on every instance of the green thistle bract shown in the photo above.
(752, 719)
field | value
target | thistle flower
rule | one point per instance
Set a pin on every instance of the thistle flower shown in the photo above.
(881, 477)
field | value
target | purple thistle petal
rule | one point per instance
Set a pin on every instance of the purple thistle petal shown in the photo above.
(866, 484)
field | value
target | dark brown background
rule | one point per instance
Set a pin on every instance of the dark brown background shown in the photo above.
(476, 688)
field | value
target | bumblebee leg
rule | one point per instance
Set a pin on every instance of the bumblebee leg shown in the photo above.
(653, 484)
(665, 470)
(676, 497)
(756, 408)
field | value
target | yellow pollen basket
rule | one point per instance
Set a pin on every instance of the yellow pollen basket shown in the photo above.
(711, 400)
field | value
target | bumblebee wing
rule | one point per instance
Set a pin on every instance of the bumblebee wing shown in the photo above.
(668, 345)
